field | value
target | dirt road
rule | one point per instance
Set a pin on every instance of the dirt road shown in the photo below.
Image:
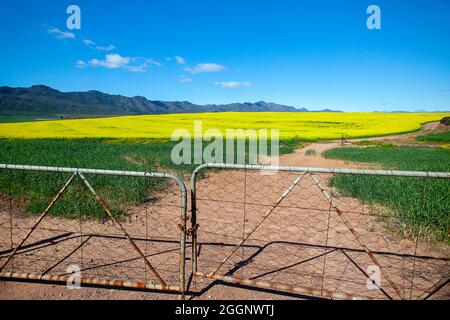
(221, 188)
(300, 157)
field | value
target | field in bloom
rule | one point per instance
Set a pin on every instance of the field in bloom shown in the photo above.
(304, 126)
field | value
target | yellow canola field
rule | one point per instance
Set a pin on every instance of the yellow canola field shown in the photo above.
(307, 126)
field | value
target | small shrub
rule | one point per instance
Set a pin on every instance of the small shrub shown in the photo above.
(445, 121)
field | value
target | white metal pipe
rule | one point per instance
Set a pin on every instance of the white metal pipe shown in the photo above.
(397, 173)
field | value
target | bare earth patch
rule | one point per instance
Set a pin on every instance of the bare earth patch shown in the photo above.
(293, 246)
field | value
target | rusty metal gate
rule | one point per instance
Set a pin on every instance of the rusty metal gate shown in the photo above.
(306, 231)
(84, 231)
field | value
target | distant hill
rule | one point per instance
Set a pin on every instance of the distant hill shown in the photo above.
(43, 100)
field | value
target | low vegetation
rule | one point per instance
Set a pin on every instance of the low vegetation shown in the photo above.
(445, 121)
(25, 118)
(37, 188)
(416, 204)
(437, 137)
(123, 148)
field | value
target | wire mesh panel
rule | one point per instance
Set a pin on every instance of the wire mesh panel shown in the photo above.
(325, 233)
(110, 228)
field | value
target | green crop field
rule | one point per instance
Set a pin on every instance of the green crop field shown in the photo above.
(420, 204)
(416, 205)
(113, 154)
(39, 187)
(437, 137)
(17, 119)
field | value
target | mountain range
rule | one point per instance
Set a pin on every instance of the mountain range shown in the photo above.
(43, 100)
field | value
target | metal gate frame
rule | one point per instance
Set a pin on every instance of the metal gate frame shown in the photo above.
(302, 172)
(162, 286)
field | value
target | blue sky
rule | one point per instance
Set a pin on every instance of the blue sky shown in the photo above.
(314, 54)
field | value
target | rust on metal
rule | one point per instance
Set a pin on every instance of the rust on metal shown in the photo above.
(436, 287)
(194, 267)
(193, 229)
(261, 221)
(42, 216)
(365, 274)
(133, 244)
(284, 287)
(372, 255)
(87, 281)
(355, 234)
(14, 251)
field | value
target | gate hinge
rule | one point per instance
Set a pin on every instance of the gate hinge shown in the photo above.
(189, 231)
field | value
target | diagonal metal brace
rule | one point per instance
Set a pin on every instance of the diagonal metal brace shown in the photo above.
(354, 233)
(260, 222)
(435, 288)
(43, 215)
(133, 244)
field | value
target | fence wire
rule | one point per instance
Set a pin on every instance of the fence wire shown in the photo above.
(324, 232)
(109, 228)
(333, 233)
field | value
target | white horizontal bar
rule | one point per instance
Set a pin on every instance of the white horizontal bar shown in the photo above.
(96, 171)
(395, 173)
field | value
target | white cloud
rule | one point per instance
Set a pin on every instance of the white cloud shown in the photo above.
(153, 62)
(233, 84)
(143, 64)
(184, 79)
(89, 42)
(61, 34)
(81, 64)
(205, 67)
(180, 60)
(140, 68)
(92, 44)
(107, 48)
(116, 61)
(112, 61)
